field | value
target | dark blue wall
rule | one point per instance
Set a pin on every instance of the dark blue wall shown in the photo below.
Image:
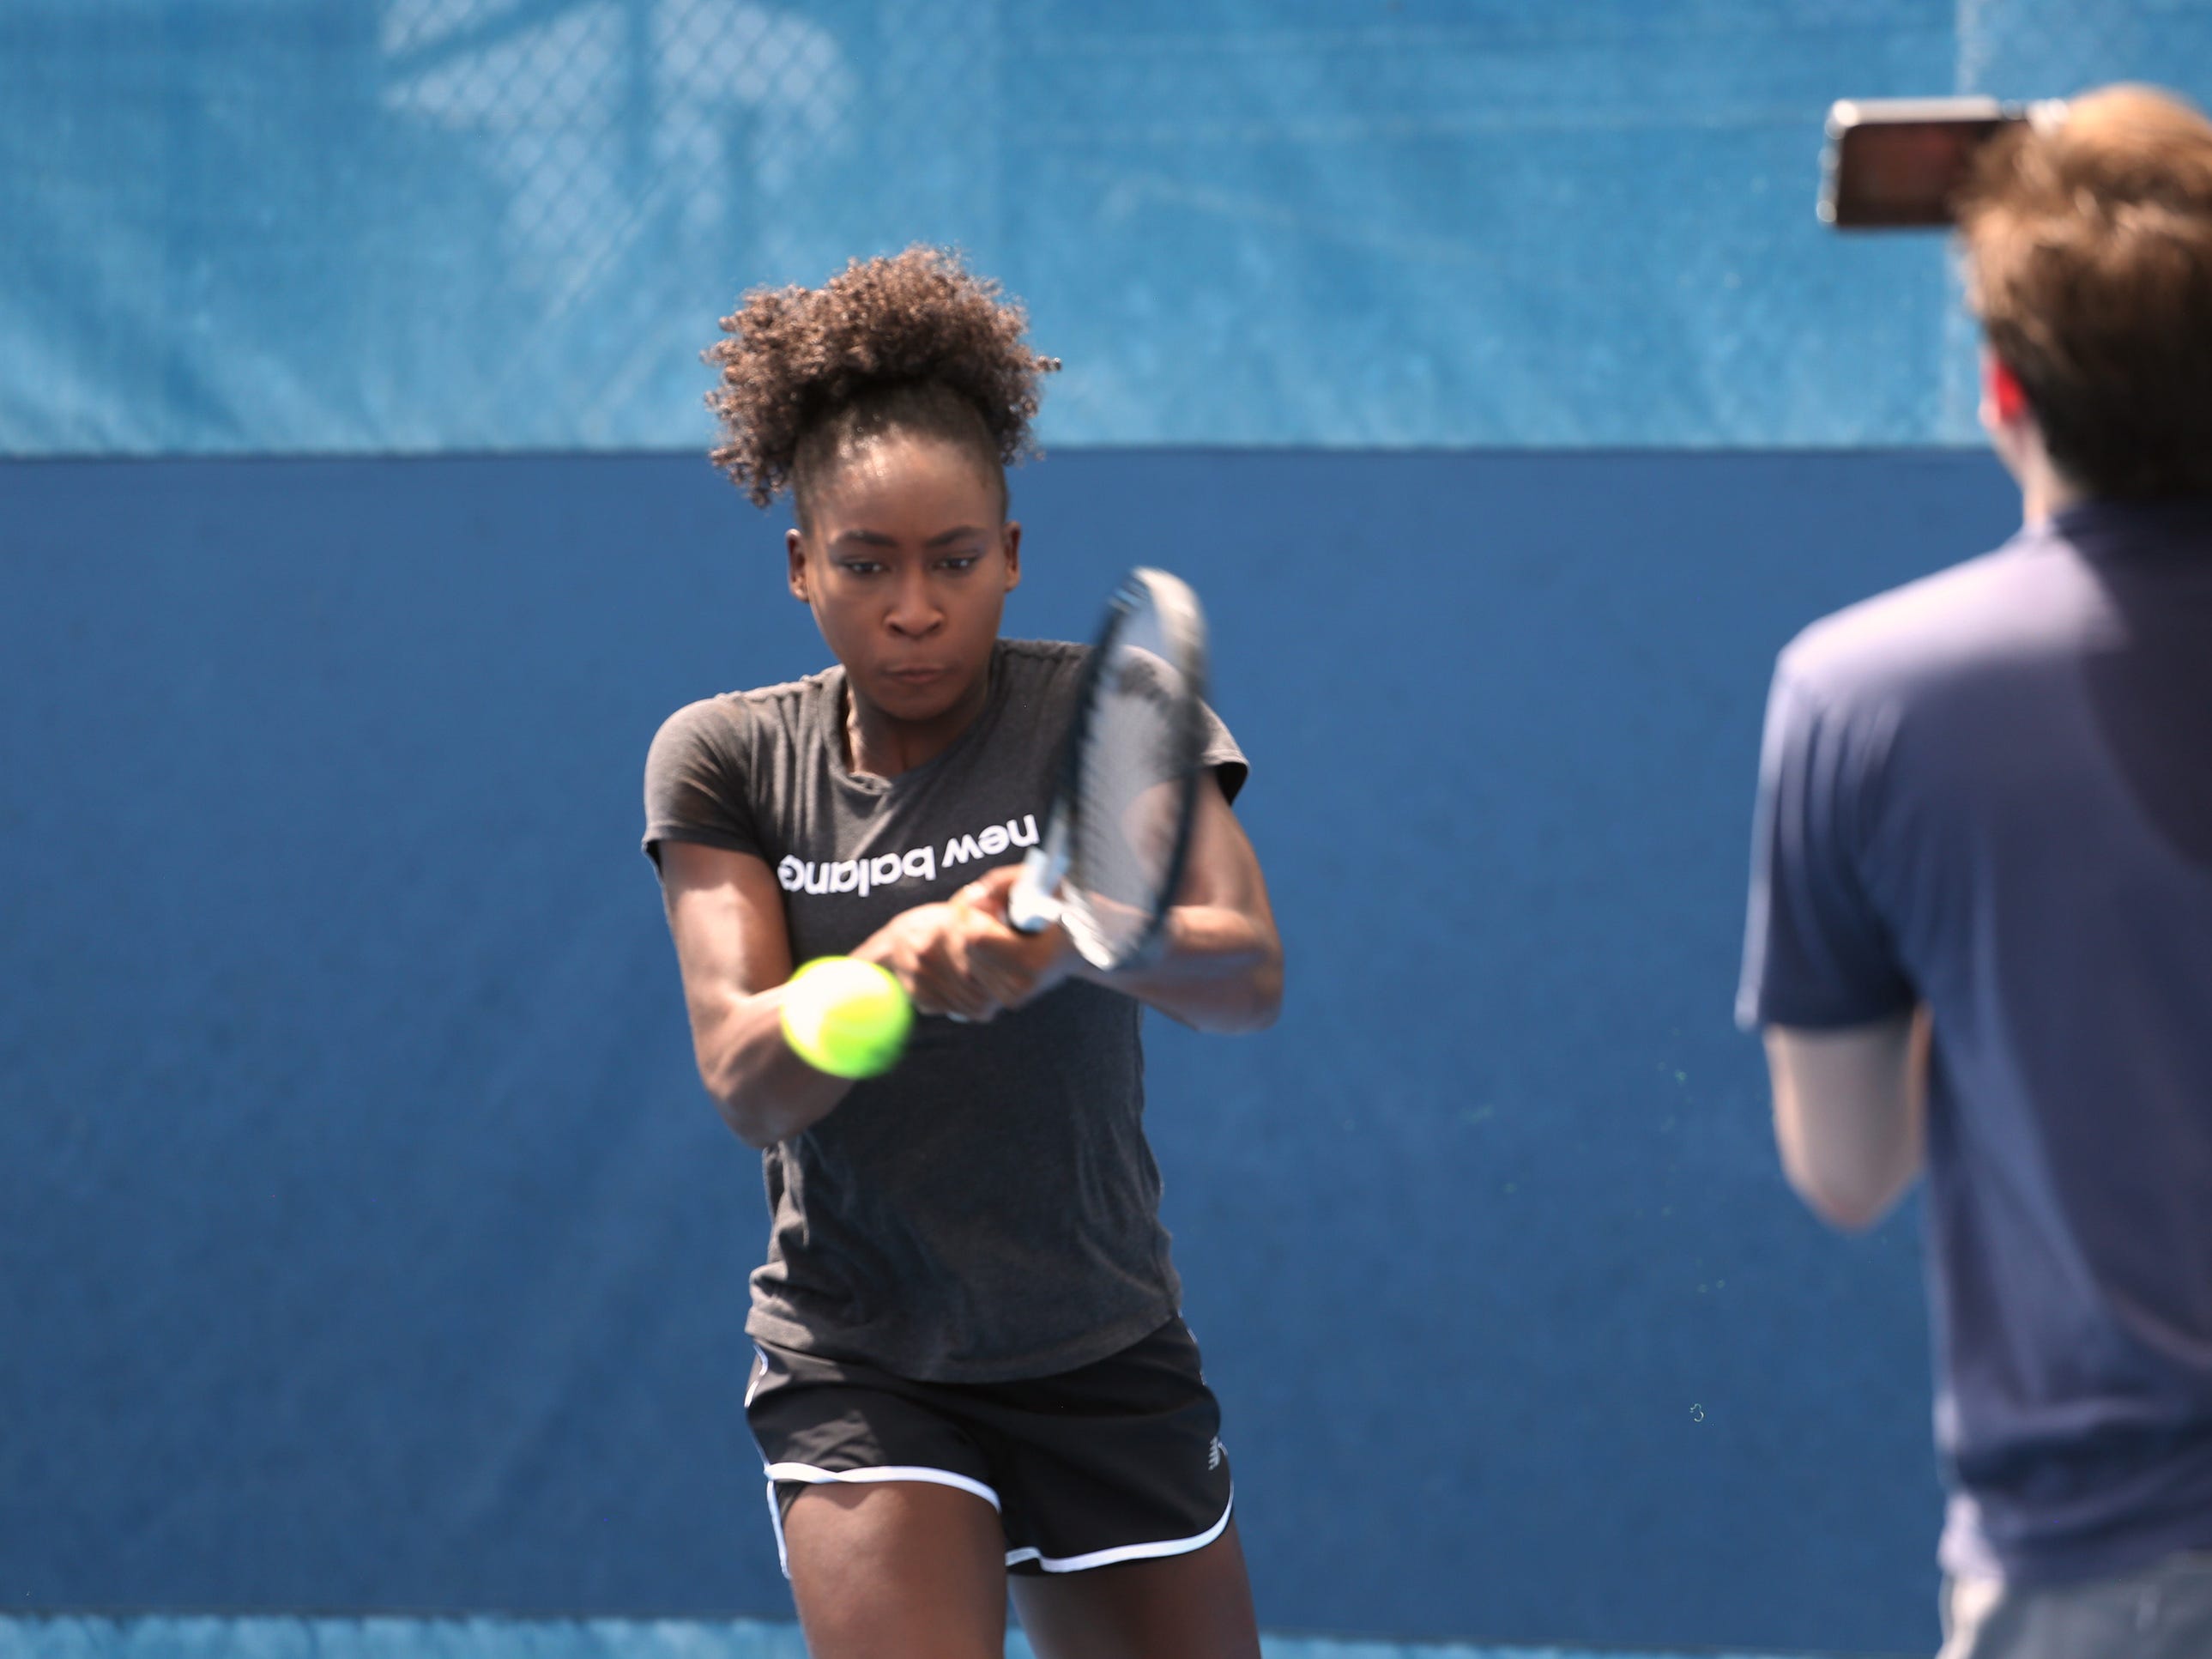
(368, 1243)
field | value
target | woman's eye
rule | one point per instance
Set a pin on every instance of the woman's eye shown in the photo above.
(960, 561)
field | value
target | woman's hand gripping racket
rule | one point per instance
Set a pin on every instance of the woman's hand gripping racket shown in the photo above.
(1118, 835)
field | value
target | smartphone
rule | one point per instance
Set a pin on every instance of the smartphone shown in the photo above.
(1897, 163)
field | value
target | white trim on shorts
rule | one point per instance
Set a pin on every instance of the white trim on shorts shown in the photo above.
(807, 1475)
(1197, 1541)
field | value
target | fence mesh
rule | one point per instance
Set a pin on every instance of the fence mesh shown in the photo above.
(438, 224)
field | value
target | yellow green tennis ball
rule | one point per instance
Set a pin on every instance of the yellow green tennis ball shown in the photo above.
(845, 1017)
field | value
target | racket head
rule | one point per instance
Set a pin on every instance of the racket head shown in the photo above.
(1130, 772)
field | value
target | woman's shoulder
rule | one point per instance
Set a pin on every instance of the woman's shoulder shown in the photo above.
(763, 709)
(1035, 662)
(716, 763)
(1041, 678)
(738, 735)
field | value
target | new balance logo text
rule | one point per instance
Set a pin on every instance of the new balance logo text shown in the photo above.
(864, 876)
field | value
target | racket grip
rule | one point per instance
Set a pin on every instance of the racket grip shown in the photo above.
(1031, 906)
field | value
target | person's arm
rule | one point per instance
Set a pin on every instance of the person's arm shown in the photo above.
(1850, 1114)
(1219, 964)
(1824, 982)
(725, 913)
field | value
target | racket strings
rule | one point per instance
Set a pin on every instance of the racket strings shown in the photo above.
(1134, 770)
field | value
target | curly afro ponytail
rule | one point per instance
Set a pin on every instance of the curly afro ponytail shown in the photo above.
(912, 343)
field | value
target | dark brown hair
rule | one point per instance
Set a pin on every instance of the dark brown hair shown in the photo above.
(914, 342)
(2089, 246)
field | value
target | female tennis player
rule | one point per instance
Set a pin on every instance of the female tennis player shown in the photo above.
(971, 1367)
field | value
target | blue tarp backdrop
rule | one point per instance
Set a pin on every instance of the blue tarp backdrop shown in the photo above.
(370, 1244)
(255, 225)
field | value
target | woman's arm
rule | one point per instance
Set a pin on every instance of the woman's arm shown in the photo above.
(1219, 965)
(726, 913)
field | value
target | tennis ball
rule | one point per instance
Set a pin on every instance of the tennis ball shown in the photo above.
(845, 1017)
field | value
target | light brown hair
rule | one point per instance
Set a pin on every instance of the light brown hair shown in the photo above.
(912, 343)
(2089, 249)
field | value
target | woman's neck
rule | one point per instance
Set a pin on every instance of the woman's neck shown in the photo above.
(882, 745)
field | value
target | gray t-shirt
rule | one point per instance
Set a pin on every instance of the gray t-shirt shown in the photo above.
(1991, 791)
(988, 1209)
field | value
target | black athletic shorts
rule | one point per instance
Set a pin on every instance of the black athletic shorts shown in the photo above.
(1116, 1462)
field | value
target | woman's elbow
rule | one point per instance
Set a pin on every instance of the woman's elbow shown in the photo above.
(1262, 1001)
(1267, 988)
(737, 1105)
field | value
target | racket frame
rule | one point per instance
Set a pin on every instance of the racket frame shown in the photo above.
(1035, 903)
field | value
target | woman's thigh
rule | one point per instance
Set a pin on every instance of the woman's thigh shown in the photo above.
(1193, 1606)
(900, 1567)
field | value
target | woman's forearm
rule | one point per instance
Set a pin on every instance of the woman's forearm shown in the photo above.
(1215, 969)
(765, 1091)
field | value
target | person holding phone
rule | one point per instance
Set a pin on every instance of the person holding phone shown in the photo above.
(1980, 934)
(971, 1361)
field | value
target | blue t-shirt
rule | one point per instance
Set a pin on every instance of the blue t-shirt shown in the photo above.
(1991, 791)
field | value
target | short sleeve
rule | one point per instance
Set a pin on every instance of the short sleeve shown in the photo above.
(1817, 953)
(1223, 757)
(695, 782)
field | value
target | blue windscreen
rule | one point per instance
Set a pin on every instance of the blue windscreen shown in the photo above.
(368, 1245)
(412, 225)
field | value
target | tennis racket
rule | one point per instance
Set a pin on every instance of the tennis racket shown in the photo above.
(1118, 833)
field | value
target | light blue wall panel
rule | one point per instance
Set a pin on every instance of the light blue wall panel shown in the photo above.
(416, 225)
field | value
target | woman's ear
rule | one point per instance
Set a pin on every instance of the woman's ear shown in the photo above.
(794, 551)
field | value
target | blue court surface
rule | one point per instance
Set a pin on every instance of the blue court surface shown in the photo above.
(75, 1638)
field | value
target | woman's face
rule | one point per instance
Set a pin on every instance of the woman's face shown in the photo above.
(906, 562)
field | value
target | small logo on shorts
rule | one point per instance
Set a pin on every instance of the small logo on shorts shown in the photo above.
(1214, 1454)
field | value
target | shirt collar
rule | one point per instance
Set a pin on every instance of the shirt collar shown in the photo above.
(2125, 524)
